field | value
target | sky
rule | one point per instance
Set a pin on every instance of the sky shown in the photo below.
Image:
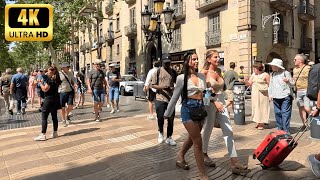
(11, 44)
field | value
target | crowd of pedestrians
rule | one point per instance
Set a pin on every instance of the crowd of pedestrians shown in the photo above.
(56, 88)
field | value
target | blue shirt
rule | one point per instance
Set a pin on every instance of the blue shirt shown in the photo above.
(20, 80)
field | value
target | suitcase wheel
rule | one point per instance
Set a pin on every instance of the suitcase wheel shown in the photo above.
(254, 156)
(264, 167)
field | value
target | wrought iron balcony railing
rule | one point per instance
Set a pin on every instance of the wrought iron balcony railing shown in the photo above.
(306, 43)
(213, 38)
(180, 11)
(131, 30)
(109, 8)
(206, 5)
(283, 38)
(306, 11)
(130, 1)
(109, 37)
(282, 5)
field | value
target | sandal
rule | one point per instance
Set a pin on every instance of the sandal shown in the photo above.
(239, 169)
(209, 163)
(182, 165)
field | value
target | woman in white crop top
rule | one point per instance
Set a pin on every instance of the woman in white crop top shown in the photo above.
(218, 112)
(191, 86)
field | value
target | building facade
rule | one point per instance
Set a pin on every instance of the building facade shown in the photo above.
(229, 26)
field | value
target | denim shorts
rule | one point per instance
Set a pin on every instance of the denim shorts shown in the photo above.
(186, 106)
(98, 95)
(114, 93)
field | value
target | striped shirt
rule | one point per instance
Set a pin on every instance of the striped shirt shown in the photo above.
(278, 89)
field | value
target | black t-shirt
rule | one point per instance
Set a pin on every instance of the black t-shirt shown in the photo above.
(53, 90)
(96, 79)
(110, 75)
(81, 77)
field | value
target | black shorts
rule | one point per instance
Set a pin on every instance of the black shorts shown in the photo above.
(151, 95)
(66, 98)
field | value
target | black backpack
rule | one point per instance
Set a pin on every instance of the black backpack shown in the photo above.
(313, 82)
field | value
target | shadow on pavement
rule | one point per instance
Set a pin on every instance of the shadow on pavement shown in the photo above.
(13, 121)
(82, 131)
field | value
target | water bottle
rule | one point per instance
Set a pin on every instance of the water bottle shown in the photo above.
(207, 95)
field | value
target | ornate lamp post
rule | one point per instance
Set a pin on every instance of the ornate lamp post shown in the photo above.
(276, 25)
(151, 24)
(83, 30)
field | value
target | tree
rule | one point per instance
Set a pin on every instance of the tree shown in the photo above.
(64, 11)
(5, 59)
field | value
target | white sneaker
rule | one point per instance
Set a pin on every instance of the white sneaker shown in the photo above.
(150, 117)
(40, 137)
(160, 138)
(108, 106)
(64, 123)
(54, 134)
(112, 111)
(170, 141)
(118, 110)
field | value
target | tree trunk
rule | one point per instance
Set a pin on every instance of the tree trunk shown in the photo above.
(55, 61)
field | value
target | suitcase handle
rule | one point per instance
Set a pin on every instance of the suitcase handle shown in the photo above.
(293, 141)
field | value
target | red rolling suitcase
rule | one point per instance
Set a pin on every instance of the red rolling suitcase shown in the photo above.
(276, 147)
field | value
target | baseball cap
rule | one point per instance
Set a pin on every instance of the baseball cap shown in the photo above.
(98, 61)
(65, 65)
(112, 65)
(166, 58)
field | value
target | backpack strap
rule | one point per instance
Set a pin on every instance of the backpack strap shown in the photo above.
(158, 74)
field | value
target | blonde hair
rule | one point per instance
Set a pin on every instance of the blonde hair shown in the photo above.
(209, 55)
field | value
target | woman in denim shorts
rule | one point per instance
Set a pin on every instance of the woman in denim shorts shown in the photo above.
(190, 85)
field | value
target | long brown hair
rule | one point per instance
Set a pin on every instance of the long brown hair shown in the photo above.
(187, 56)
(56, 76)
(209, 54)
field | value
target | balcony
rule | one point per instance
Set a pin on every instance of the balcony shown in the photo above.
(129, 2)
(87, 45)
(102, 40)
(83, 47)
(206, 5)
(131, 30)
(281, 5)
(109, 8)
(180, 11)
(213, 38)
(306, 11)
(109, 37)
(306, 43)
(283, 38)
(131, 53)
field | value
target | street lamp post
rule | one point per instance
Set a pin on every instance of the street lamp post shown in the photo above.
(151, 24)
(276, 25)
(83, 30)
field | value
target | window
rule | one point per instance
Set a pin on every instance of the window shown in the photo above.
(176, 36)
(110, 54)
(118, 49)
(132, 16)
(151, 5)
(214, 23)
(111, 26)
(118, 23)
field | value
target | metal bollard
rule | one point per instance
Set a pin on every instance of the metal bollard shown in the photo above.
(238, 100)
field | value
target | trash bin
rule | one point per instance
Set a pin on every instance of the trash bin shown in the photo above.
(238, 100)
(138, 91)
(315, 128)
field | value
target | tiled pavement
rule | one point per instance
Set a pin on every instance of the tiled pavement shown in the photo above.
(127, 148)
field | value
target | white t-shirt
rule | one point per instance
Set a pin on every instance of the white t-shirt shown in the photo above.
(149, 77)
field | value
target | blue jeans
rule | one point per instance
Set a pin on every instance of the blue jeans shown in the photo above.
(186, 106)
(114, 93)
(98, 95)
(282, 111)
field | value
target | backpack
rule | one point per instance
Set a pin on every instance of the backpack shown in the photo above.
(313, 82)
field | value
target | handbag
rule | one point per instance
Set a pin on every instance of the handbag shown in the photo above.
(262, 87)
(198, 114)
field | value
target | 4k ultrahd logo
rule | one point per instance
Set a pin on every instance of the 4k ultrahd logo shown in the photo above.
(28, 22)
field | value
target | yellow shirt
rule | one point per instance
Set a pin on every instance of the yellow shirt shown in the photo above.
(302, 81)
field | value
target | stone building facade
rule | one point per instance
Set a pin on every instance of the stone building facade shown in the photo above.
(229, 26)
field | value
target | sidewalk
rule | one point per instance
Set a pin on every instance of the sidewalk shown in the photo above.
(127, 148)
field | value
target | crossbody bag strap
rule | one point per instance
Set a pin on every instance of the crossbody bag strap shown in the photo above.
(95, 80)
(299, 75)
(68, 80)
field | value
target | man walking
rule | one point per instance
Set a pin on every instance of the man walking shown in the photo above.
(230, 77)
(163, 81)
(114, 84)
(97, 85)
(300, 76)
(40, 93)
(18, 88)
(151, 91)
(67, 91)
(5, 91)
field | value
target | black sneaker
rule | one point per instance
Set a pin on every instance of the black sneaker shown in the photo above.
(23, 111)
(11, 112)
(68, 117)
